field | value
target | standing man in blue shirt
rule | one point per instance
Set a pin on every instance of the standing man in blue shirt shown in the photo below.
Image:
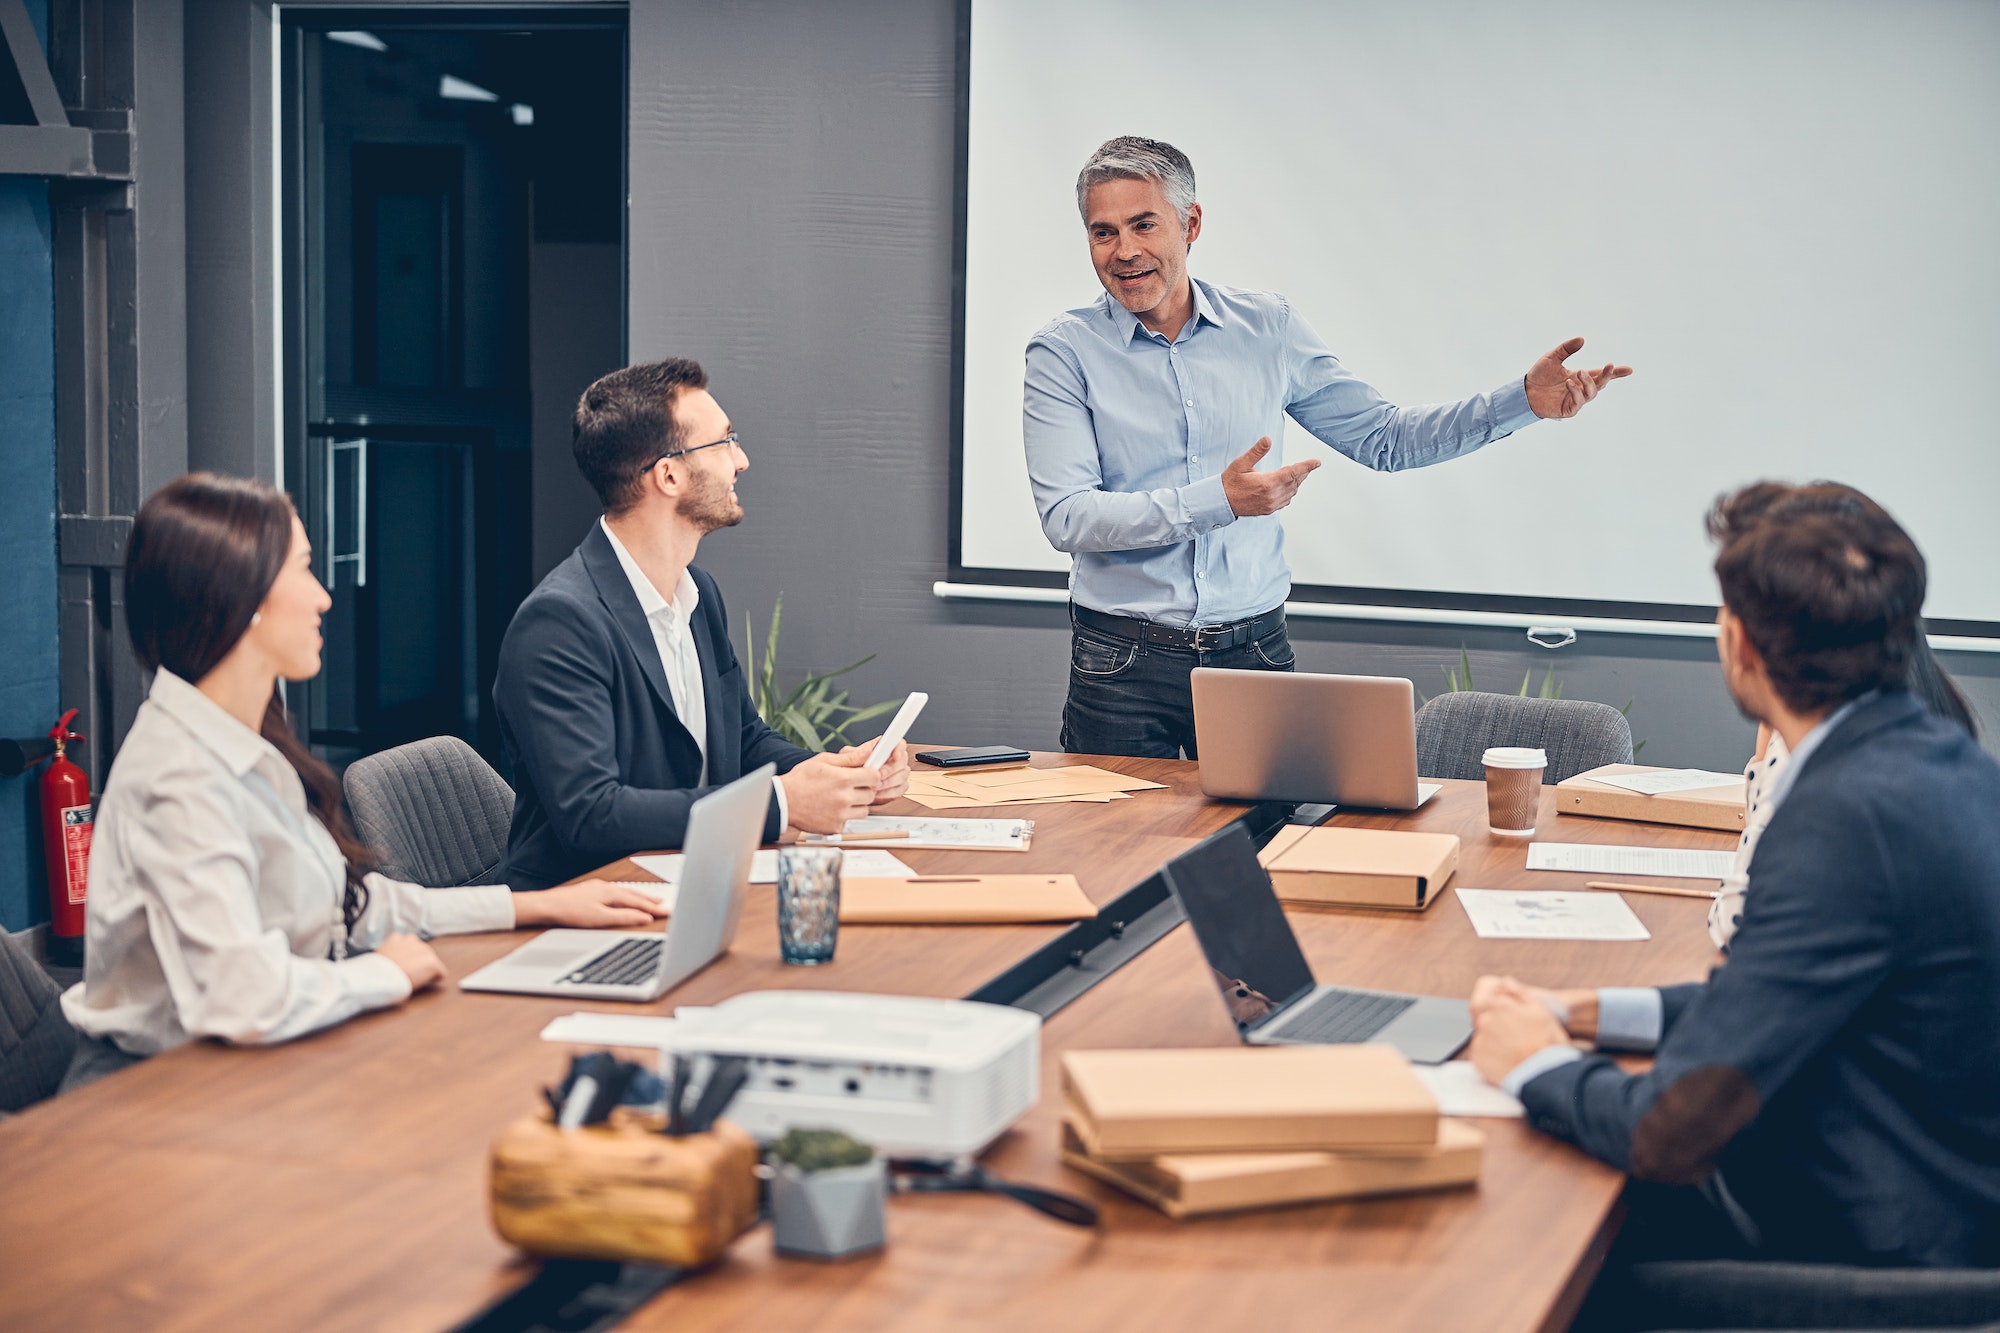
(1147, 413)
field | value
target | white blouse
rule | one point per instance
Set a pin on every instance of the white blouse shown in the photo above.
(1726, 912)
(215, 895)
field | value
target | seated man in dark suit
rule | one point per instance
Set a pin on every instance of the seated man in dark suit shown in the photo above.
(1831, 1093)
(620, 698)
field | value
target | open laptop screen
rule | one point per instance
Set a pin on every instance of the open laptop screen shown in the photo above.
(1234, 913)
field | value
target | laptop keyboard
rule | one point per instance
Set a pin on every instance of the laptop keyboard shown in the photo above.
(1344, 1016)
(627, 963)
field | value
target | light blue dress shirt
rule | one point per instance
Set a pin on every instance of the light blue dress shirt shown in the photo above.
(1629, 1018)
(1127, 434)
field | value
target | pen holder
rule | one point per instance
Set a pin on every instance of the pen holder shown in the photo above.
(623, 1191)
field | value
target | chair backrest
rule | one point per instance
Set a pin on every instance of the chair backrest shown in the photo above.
(435, 812)
(36, 1041)
(1454, 730)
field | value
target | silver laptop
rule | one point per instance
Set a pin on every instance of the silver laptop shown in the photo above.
(724, 828)
(1266, 984)
(1291, 736)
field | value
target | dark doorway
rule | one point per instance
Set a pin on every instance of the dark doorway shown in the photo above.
(453, 186)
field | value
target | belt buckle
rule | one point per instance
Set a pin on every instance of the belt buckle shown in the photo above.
(1212, 638)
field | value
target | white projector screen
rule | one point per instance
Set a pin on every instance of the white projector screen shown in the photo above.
(1786, 216)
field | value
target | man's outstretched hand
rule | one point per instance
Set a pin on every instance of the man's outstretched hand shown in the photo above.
(1554, 390)
(1251, 492)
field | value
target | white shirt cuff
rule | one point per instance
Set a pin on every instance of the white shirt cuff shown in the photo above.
(784, 806)
(463, 911)
(1536, 1065)
(1629, 1018)
(374, 981)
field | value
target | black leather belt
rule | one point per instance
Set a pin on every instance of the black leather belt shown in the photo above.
(1208, 639)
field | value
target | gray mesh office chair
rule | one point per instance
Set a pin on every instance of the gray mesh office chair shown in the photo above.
(1453, 730)
(36, 1041)
(435, 812)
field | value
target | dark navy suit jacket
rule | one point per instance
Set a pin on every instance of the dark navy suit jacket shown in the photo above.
(1842, 1070)
(602, 765)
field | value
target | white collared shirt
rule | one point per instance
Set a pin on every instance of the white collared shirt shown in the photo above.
(215, 895)
(672, 623)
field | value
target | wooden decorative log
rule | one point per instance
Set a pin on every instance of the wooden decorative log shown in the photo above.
(624, 1191)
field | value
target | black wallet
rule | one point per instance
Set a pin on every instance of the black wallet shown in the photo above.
(974, 757)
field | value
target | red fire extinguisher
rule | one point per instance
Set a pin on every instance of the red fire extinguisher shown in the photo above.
(66, 825)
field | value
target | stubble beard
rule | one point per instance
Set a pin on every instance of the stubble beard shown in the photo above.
(711, 505)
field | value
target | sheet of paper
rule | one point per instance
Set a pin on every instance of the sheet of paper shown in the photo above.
(859, 862)
(1506, 914)
(1460, 1091)
(588, 1029)
(959, 835)
(1426, 790)
(1671, 780)
(1590, 859)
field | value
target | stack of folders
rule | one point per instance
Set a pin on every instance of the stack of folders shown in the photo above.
(1210, 1131)
(1358, 867)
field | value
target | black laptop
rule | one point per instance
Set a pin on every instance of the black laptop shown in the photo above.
(1265, 982)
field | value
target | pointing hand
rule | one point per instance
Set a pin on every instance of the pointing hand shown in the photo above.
(1251, 492)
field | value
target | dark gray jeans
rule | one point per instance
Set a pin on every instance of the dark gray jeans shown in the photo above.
(1133, 698)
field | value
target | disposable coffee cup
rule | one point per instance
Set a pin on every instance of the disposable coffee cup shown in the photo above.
(1514, 789)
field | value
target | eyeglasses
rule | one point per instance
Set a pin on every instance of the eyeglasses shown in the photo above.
(695, 449)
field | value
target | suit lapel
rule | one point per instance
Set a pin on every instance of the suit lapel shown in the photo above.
(723, 748)
(615, 591)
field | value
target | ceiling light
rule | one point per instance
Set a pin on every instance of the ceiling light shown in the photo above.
(367, 41)
(459, 90)
(523, 114)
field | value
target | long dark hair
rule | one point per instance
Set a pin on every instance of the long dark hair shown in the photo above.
(204, 552)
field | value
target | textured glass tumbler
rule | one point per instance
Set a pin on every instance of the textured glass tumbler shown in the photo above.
(808, 904)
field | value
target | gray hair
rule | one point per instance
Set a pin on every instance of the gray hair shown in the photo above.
(1129, 157)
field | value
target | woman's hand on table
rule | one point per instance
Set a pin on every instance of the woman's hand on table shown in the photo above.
(589, 903)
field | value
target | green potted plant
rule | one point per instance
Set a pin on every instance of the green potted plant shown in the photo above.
(828, 1195)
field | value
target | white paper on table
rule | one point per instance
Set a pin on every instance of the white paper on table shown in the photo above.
(964, 835)
(855, 863)
(1513, 914)
(1461, 1090)
(1591, 859)
(587, 1029)
(1670, 780)
(1426, 790)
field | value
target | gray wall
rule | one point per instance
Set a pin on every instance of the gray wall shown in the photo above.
(791, 228)
(573, 337)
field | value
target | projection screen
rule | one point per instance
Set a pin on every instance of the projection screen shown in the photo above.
(1786, 216)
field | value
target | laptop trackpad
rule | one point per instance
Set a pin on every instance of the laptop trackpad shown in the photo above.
(556, 955)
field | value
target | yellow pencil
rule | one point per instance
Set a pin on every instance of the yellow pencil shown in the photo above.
(1652, 888)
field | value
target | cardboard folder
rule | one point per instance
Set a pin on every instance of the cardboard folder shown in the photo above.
(963, 900)
(1355, 867)
(1195, 1184)
(1720, 807)
(1139, 1104)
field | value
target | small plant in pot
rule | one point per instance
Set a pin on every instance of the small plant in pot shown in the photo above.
(828, 1195)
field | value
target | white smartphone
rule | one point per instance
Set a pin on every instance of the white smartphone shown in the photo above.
(898, 727)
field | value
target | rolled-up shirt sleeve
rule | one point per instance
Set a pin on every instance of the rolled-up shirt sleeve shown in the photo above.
(1067, 476)
(1351, 416)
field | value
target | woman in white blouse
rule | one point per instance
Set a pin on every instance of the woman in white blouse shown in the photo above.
(229, 897)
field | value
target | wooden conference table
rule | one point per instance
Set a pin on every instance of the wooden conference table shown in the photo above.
(338, 1183)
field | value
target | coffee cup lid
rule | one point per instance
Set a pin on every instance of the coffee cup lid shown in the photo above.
(1515, 756)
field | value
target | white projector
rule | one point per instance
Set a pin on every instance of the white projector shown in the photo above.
(912, 1077)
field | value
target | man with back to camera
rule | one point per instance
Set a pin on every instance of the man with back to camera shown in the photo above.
(620, 698)
(1146, 415)
(1833, 1091)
